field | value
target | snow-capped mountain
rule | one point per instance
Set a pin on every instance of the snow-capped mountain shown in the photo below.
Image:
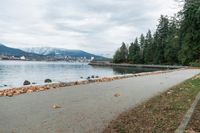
(42, 50)
(44, 53)
(49, 51)
(8, 51)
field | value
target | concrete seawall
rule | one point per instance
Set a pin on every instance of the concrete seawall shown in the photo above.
(103, 63)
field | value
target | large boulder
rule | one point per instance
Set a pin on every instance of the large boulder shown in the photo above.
(26, 82)
(47, 80)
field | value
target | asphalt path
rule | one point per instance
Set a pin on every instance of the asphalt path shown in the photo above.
(83, 108)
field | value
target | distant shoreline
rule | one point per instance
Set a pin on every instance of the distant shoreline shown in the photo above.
(44, 61)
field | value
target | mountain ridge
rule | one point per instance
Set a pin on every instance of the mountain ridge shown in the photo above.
(8, 51)
(45, 52)
(61, 52)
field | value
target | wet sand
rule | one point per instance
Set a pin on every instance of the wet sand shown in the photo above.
(84, 108)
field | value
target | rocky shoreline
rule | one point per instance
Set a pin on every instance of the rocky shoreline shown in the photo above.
(36, 88)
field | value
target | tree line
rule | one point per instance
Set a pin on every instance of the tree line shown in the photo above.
(176, 40)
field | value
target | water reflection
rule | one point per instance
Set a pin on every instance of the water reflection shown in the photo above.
(125, 70)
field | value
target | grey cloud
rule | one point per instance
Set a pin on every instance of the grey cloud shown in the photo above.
(93, 25)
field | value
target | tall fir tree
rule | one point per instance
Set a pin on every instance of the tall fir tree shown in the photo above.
(116, 57)
(175, 41)
(124, 52)
(142, 45)
(121, 55)
(148, 48)
(134, 52)
(190, 32)
(161, 40)
(172, 47)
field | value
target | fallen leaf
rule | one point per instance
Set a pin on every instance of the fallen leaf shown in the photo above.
(190, 131)
(117, 94)
(56, 106)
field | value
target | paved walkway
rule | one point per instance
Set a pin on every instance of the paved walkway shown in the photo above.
(84, 108)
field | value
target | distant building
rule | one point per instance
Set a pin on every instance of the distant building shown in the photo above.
(23, 58)
(92, 58)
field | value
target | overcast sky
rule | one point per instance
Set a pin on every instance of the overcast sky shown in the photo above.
(96, 26)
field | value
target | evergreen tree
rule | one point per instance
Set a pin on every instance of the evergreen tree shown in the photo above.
(172, 47)
(148, 49)
(124, 52)
(190, 32)
(131, 53)
(134, 52)
(175, 41)
(142, 46)
(155, 44)
(116, 57)
(161, 40)
(121, 55)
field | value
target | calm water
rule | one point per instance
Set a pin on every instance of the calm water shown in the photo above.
(13, 73)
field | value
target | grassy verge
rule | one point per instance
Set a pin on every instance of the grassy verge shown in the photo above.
(194, 124)
(161, 114)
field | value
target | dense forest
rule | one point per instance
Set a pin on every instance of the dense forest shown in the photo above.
(175, 41)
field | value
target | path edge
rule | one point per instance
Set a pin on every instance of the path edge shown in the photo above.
(188, 115)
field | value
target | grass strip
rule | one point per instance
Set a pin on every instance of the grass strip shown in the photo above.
(160, 114)
(194, 124)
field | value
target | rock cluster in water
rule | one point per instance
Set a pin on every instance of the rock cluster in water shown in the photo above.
(26, 82)
(3, 85)
(47, 80)
(30, 89)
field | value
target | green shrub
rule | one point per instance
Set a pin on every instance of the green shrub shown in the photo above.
(195, 64)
